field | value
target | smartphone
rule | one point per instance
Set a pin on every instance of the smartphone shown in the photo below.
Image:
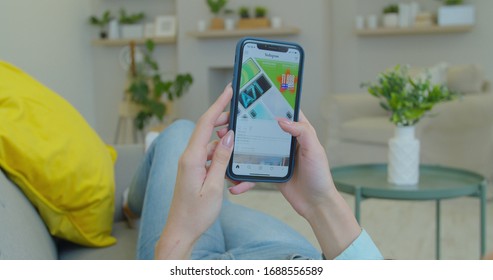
(266, 86)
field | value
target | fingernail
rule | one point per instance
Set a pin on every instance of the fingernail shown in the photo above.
(286, 122)
(227, 140)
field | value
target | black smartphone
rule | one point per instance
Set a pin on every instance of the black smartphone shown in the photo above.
(266, 86)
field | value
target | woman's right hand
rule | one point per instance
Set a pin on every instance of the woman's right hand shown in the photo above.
(311, 184)
(312, 193)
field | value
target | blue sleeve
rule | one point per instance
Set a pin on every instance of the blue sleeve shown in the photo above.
(362, 248)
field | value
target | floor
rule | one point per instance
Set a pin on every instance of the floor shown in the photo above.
(401, 229)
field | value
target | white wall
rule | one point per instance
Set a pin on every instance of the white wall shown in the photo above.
(50, 40)
(358, 59)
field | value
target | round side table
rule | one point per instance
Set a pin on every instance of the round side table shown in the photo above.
(435, 183)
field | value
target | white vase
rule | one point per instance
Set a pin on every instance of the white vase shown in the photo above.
(113, 29)
(229, 23)
(372, 21)
(403, 167)
(391, 20)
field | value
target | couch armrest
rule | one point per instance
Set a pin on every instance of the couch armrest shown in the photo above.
(350, 106)
(486, 86)
(461, 133)
(470, 111)
(129, 158)
(340, 108)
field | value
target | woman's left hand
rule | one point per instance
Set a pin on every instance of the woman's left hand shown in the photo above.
(199, 187)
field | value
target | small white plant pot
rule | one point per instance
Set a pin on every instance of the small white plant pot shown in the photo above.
(229, 23)
(202, 25)
(276, 22)
(372, 22)
(132, 31)
(390, 20)
(114, 29)
(456, 15)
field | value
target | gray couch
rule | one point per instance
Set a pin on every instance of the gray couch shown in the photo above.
(23, 235)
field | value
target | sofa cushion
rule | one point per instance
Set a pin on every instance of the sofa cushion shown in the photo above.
(58, 161)
(376, 130)
(468, 78)
(436, 73)
(23, 235)
(124, 249)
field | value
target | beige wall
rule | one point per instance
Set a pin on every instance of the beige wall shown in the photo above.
(110, 79)
(198, 56)
(55, 47)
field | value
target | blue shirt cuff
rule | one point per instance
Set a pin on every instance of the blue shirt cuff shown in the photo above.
(362, 248)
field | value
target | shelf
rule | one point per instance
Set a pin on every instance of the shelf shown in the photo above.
(124, 42)
(211, 34)
(435, 29)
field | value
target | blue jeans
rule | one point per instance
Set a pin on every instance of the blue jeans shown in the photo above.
(238, 233)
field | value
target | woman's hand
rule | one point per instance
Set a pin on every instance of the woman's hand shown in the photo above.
(199, 187)
(311, 184)
(312, 193)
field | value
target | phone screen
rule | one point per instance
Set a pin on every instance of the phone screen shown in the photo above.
(266, 88)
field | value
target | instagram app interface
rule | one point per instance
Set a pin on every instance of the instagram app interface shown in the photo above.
(268, 88)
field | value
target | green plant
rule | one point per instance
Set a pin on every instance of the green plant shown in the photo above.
(453, 2)
(147, 88)
(391, 9)
(130, 18)
(101, 22)
(244, 12)
(229, 12)
(216, 5)
(260, 12)
(407, 99)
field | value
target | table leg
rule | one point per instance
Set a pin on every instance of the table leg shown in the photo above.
(482, 198)
(437, 237)
(357, 203)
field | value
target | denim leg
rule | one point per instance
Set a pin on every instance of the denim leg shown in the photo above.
(154, 184)
(239, 233)
(250, 234)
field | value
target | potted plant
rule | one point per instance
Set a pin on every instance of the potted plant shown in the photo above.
(244, 12)
(102, 23)
(391, 16)
(260, 12)
(259, 21)
(216, 6)
(150, 92)
(131, 27)
(455, 12)
(407, 100)
(229, 22)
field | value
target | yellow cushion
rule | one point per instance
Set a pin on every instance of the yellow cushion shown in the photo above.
(58, 161)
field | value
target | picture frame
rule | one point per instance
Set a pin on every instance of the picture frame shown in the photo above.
(165, 26)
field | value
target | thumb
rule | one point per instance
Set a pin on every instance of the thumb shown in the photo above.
(220, 159)
(305, 133)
